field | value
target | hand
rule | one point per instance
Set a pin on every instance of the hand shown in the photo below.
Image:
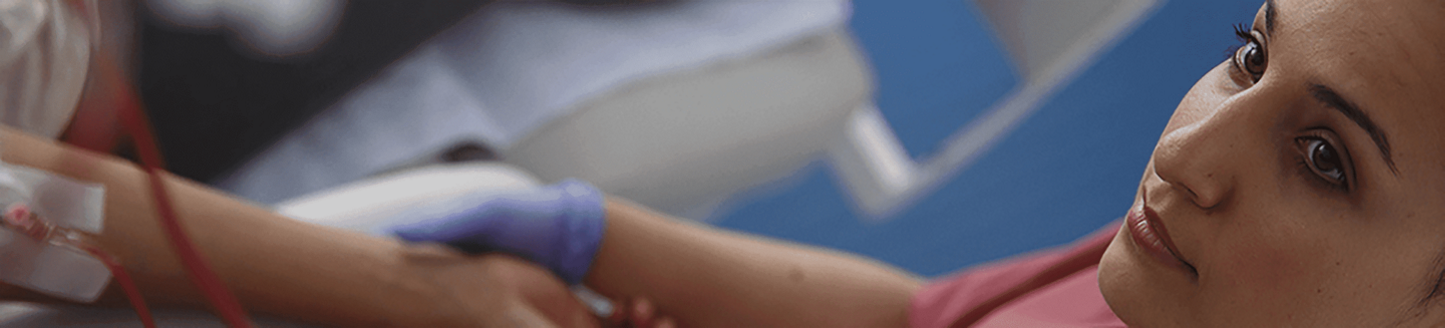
(558, 226)
(639, 313)
(500, 291)
(525, 295)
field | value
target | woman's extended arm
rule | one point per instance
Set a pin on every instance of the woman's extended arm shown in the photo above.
(709, 277)
(287, 268)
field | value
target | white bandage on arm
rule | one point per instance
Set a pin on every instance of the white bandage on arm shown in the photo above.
(51, 263)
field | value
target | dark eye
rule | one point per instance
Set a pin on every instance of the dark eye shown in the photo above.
(1324, 160)
(1250, 58)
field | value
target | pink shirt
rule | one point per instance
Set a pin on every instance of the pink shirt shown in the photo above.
(1074, 301)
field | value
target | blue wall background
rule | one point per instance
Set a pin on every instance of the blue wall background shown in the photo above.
(1066, 171)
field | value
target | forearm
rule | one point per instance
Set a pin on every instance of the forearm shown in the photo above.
(274, 265)
(709, 277)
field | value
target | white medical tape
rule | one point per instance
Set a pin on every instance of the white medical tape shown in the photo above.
(57, 270)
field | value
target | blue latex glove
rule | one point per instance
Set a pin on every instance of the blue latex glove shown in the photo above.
(558, 226)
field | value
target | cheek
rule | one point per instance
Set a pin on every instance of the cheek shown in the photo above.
(1269, 278)
(1264, 269)
(1308, 267)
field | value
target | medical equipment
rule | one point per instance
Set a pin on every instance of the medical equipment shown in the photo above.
(137, 126)
(715, 97)
(559, 226)
(45, 59)
(44, 244)
(44, 247)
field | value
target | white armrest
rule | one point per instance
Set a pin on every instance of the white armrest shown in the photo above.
(684, 141)
(365, 205)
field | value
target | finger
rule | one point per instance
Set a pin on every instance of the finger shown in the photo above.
(582, 319)
(567, 312)
(620, 311)
(519, 316)
(539, 289)
(665, 323)
(561, 305)
(642, 312)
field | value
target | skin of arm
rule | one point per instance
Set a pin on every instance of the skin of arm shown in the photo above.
(704, 277)
(290, 269)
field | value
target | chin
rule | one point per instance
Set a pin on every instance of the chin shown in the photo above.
(1129, 290)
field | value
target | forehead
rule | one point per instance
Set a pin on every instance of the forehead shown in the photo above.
(1386, 56)
(1400, 36)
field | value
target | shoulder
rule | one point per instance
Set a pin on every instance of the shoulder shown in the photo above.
(944, 300)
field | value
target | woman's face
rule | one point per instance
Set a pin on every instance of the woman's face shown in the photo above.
(1299, 183)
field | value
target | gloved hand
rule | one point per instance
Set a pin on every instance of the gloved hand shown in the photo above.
(558, 226)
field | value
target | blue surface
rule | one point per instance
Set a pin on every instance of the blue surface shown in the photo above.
(1066, 171)
(937, 66)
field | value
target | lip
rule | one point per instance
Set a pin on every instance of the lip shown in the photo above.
(1149, 234)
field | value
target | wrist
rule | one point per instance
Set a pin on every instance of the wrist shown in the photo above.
(586, 226)
(450, 289)
(417, 294)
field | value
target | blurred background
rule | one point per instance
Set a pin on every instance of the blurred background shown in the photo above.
(932, 135)
(1064, 171)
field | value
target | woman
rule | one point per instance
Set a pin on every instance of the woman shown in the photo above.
(275, 266)
(1297, 184)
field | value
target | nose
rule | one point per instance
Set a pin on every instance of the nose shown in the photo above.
(1199, 159)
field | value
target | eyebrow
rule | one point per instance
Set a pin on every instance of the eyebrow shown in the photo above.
(1269, 14)
(1333, 100)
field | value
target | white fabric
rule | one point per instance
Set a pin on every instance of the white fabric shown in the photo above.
(511, 68)
(44, 57)
(273, 27)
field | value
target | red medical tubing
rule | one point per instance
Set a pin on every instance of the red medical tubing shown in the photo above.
(135, 124)
(92, 129)
(19, 218)
(132, 293)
